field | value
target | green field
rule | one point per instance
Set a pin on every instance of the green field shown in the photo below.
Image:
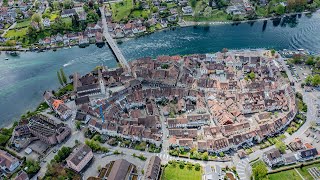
(22, 24)
(216, 15)
(304, 171)
(13, 33)
(175, 173)
(121, 10)
(285, 175)
(140, 13)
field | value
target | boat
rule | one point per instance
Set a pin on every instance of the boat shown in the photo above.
(6, 59)
(13, 53)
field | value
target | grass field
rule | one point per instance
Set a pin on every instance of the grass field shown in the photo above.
(216, 15)
(140, 13)
(22, 24)
(13, 33)
(304, 171)
(121, 10)
(285, 175)
(175, 173)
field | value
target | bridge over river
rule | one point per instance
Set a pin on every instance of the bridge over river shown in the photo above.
(112, 44)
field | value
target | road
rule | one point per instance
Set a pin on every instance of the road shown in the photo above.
(114, 47)
(5, 31)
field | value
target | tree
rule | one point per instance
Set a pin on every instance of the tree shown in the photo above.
(33, 167)
(310, 61)
(181, 164)
(260, 171)
(281, 146)
(63, 76)
(78, 125)
(36, 18)
(205, 156)
(197, 167)
(193, 3)
(280, 9)
(67, 4)
(60, 79)
(56, 5)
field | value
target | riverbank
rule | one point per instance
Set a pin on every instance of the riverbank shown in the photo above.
(198, 23)
(180, 25)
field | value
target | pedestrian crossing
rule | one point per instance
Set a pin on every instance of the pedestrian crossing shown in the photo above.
(166, 157)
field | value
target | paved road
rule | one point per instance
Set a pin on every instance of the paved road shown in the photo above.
(112, 43)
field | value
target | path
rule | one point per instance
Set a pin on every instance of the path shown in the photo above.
(299, 174)
(5, 31)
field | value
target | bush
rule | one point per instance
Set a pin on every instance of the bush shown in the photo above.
(197, 167)
(181, 164)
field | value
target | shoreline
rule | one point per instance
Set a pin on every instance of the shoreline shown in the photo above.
(180, 25)
(199, 23)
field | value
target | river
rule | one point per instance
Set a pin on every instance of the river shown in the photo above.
(23, 79)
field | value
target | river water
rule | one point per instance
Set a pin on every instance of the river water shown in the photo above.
(23, 79)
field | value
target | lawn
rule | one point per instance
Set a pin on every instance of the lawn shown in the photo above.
(304, 171)
(121, 10)
(53, 16)
(290, 175)
(16, 33)
(171, 5)
(216, 15)
(22, 24)
(140, 13)
(175, 173)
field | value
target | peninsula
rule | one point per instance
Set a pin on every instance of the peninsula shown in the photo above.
(231, 114)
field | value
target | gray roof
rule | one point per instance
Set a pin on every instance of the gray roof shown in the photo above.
(153, 168)
(119, 170)
(78, 154)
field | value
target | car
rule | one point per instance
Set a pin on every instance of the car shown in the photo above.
(55, 150)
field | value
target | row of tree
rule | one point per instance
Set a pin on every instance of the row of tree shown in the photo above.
(62, 77)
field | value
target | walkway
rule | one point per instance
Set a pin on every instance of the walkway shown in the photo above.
(113, 45)
(299, 174)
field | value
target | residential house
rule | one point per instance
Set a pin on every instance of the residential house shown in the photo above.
(273, 158)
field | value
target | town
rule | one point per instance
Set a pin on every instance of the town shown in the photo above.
(231, 114)
(34, 25)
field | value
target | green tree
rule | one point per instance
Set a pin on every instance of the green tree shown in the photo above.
(33, 166)
(67, 4)
(280, 9)
(36, 18)
(63, 76)
(78, 124)
(56, 5)
(205, 156)
(260, 171)
(197, 167)
(60, 79)
(281, 146)
(181, 164)
(310, 61)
